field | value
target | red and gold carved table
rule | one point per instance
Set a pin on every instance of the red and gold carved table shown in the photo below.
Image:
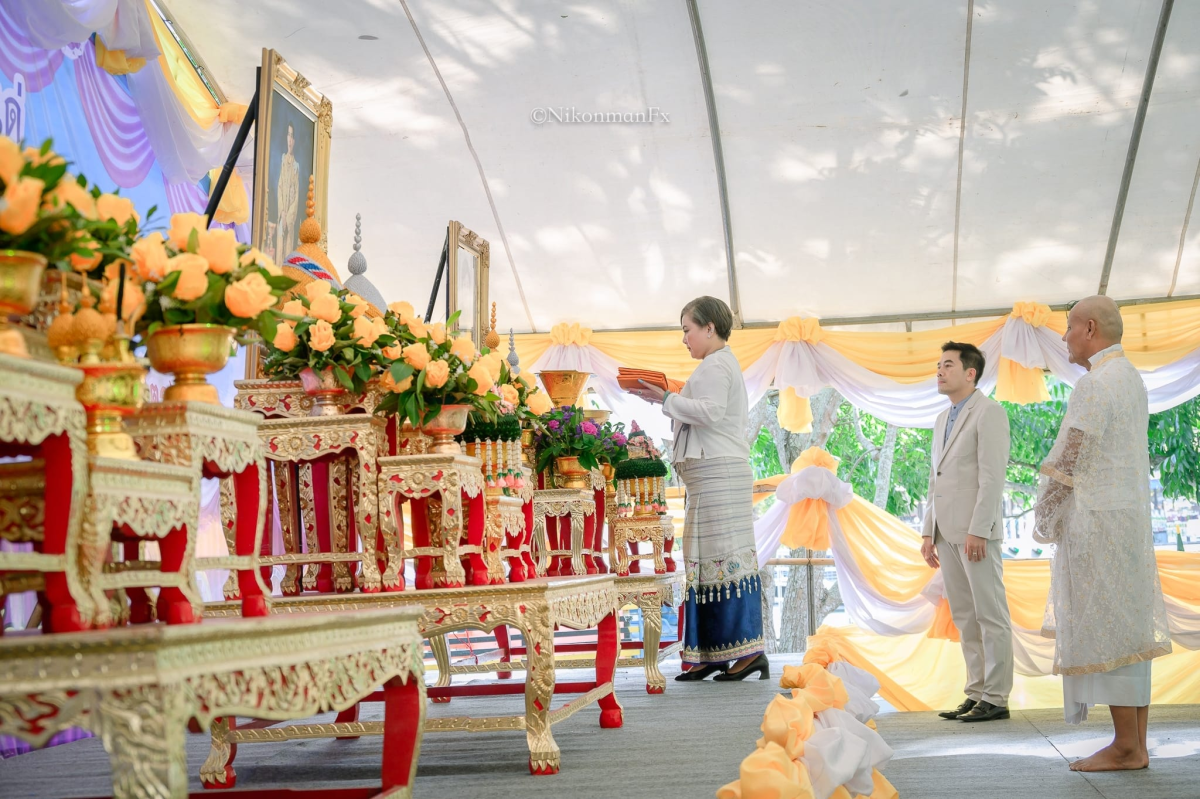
(40, 417)
(553, 510)
(137, 688)
(313, 449)
(536, 608)
(441, 490)
(220, 443)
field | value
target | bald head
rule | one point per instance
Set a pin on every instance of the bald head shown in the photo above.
(1094, 324)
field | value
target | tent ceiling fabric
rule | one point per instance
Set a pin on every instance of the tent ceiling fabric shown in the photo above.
(840, 123)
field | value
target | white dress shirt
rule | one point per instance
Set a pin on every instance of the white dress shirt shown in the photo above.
(712, 412)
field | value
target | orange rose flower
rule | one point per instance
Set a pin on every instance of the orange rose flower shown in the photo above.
(438, 334)
(389, 383)
(258, 257)
(111, 206)
(11, 160)
(367, 331)
(360, 305)
(395, 352)
(403, 310)
(71, 193)
(182, 226)
(325, 306)
(150, 257)
(436, 374)
(494, 363)
(193, 280)
(294, 308)
(539, 403)
(464, 349)
(320, 336)
(416, 326)
(85, 263)
(416, 356)
(250, 296)
(24, 198)
(317, 288)
(34, 156)
(219, 248)
(285, 337)
(482, 377)
(509, 395)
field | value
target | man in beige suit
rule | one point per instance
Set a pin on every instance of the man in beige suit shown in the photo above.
(964, 527)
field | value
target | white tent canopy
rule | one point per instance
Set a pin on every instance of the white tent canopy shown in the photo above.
(840, 123)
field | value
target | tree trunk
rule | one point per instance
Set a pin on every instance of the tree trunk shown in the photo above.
(767, 576)
(793, 622)
(883, 477)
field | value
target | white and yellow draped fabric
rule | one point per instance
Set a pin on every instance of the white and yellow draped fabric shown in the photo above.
(902, 630)
(893, 375)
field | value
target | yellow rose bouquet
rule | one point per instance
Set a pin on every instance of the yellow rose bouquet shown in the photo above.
(201, 276)
(322, 329)
(427, 368)
(522, 393)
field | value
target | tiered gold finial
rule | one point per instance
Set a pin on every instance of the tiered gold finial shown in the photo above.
(61, 333)
(89, 329)
(492, 339)
(310, 228)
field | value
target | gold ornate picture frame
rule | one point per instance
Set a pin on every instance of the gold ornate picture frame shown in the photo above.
(468, 263)
(293, 130)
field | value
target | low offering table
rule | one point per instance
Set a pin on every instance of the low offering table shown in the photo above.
(535, 607)
(137, 688)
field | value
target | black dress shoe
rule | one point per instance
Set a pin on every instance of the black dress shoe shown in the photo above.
(965, 707)
(760, 666)
(694, 674)
(985, 711)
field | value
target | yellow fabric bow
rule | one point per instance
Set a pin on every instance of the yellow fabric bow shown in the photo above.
(808, 519)
(564, 335)
(1034, 313)
(115, 62)
(815, 456)
(234, 208)
(795, 328)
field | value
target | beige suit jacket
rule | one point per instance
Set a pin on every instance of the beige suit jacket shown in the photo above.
(966, 481)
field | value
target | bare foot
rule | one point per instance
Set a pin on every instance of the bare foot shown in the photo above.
(1111, 758)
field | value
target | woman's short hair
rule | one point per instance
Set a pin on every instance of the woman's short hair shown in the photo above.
(707, 311)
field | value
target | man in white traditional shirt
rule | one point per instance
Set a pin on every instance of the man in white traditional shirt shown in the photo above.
(1106, 610)
(964, 527)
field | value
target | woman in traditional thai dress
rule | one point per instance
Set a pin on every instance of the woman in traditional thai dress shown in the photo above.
(723, 630)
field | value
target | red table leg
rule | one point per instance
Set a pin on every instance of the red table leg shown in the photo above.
(419, 509)
(598, 536)
(174, 607)
(501, 633)
(403, 720)
(527, 542)
(476, 508)
(140, 609)
(247, 487)
(62, 614)
(589, 533)
(554, 535)
(607, 646)
(668, 545)
(635, 565)
(320, 476)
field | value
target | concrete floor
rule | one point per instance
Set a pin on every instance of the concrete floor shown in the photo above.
(681, 745)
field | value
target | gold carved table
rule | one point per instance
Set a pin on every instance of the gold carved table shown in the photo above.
(137, 688)
(220, 443)
(40, 417)
(441, 490)
(624, 533)
(325, 468)
(650, 593)
(536, 608)
(505, 525)
(553, 510)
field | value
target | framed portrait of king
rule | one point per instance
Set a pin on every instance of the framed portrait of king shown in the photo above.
(294, 125)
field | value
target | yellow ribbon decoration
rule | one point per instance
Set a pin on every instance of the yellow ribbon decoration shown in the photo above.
(796, 328)
(1034, 313)
(564, 335)
(115, 62)
(234, 208)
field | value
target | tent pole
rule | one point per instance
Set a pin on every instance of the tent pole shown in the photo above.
(714, 131)
(1135, 138)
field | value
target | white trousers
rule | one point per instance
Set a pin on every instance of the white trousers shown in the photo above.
(979, 607)
(1128, 686)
